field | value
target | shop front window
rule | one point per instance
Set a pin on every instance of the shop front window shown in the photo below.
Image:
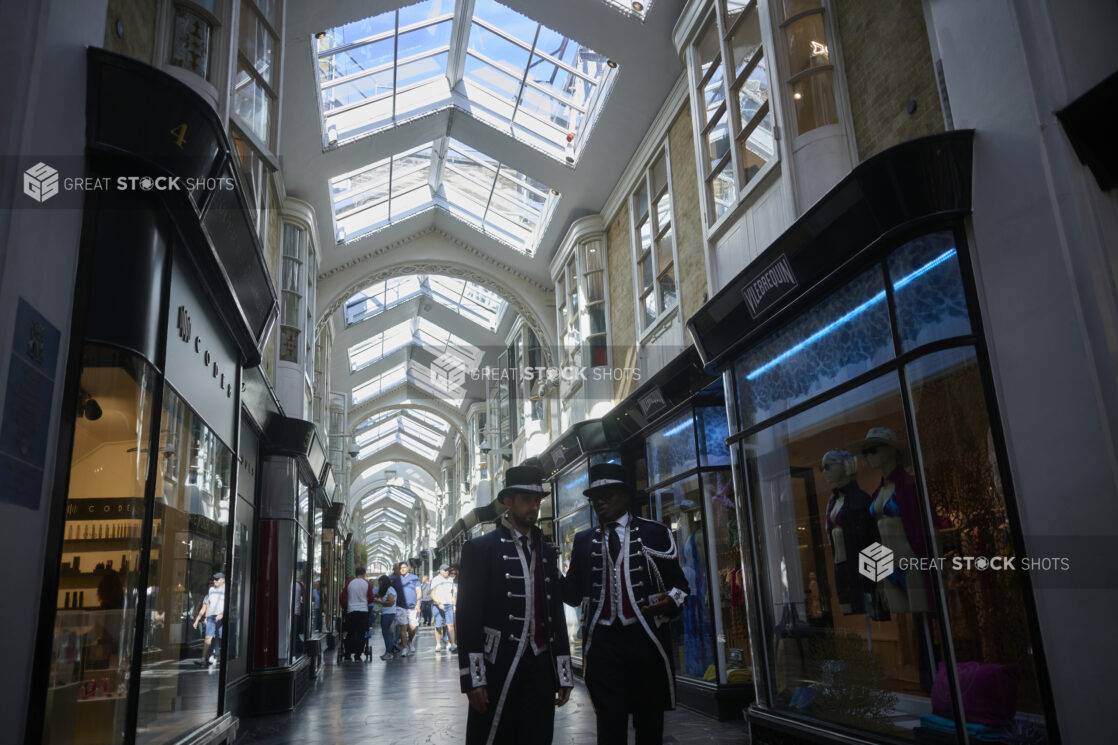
(671, 449)
(95, 621)
(567, 528)
(178, 676)
(680, 508)
(718, 487)
(240, 590)
(901, 466)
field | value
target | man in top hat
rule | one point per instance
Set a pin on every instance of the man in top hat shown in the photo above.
(513, 652)
(626, 576)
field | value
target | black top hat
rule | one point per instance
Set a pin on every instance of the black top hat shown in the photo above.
(526, 479)
(608, 476)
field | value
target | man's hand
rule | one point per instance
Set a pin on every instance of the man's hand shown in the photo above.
(219, 617)
(479, 698)
(563, 696)
(195, 623)
(661, 607)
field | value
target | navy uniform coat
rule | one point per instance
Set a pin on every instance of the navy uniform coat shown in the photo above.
(492, 614)
(649, 556)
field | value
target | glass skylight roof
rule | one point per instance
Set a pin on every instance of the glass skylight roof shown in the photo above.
(408, 370)
(515, 74)
(497, 200)
(471, 301)
(373, 70)
(418, 331)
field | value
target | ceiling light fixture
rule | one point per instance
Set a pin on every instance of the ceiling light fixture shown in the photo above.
(639, 7)
(797, 95)
(554, 192)
(332, 134)
(320, 35)
(612, 64)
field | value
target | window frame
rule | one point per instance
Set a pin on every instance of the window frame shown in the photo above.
(269, 145)
(739, 132)
(657, 233)
(788, 80)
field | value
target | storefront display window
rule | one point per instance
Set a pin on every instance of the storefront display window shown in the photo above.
(178, 678)
(712, 432)
(239, 590)
(850, 474)
(680, 508)
(845, 335)
(95, 624)
(718, 487)
(567, 528)
(300, 589)
(671, 449)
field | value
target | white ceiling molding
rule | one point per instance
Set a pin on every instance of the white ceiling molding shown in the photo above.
(653, 138)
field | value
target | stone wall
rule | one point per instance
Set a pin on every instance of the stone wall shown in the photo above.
(888, 64)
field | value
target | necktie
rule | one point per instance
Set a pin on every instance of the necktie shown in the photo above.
(614, 541)
(526, 547)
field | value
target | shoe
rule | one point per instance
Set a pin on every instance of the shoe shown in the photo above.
(405, 653)
(438, 647)
(453, 647)
(387, 656)
(411, 647)
(202, 663)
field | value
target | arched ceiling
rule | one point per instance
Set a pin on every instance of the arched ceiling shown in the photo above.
(466, 180)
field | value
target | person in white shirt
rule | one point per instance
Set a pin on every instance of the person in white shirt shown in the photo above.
(213, 610)
(356, 597)
(442, 595)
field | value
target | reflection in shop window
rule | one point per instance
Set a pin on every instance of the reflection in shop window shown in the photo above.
(99, 575)
(829, 481)
(178, 677)
(680, 508)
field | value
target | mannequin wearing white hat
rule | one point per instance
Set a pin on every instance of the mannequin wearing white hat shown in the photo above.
(895, 507)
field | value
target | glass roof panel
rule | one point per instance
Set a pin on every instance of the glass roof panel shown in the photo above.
(517, 75)
(492, 197)
(470, 300)
(389, 189)
(380, 296)
(369, 70)
(387, 380)
(379, 346)
(535, 81)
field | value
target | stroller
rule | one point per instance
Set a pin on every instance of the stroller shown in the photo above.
(348, 645)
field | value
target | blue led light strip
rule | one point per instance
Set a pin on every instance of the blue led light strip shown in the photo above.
(945, 256)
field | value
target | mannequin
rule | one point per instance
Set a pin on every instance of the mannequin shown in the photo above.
(895, 507)
(850, 528)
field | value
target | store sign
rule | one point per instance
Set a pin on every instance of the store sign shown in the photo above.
(201, 361)
(27, 407)
(104, 509)
(764, 290)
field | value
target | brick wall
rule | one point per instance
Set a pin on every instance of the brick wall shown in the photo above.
(691, 274)
(888, 63)
(137, 19)
(622, 320)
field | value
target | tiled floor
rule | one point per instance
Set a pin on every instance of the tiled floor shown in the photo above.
(416, 700)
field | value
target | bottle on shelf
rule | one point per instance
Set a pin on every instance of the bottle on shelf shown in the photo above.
(86, 534)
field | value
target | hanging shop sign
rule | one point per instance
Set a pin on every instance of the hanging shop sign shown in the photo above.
(201, 360)
(776, 281)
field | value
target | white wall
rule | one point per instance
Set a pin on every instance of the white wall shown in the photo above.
(1040, 226)
(43, 54)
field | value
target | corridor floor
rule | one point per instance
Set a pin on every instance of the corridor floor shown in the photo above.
(416, 701)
